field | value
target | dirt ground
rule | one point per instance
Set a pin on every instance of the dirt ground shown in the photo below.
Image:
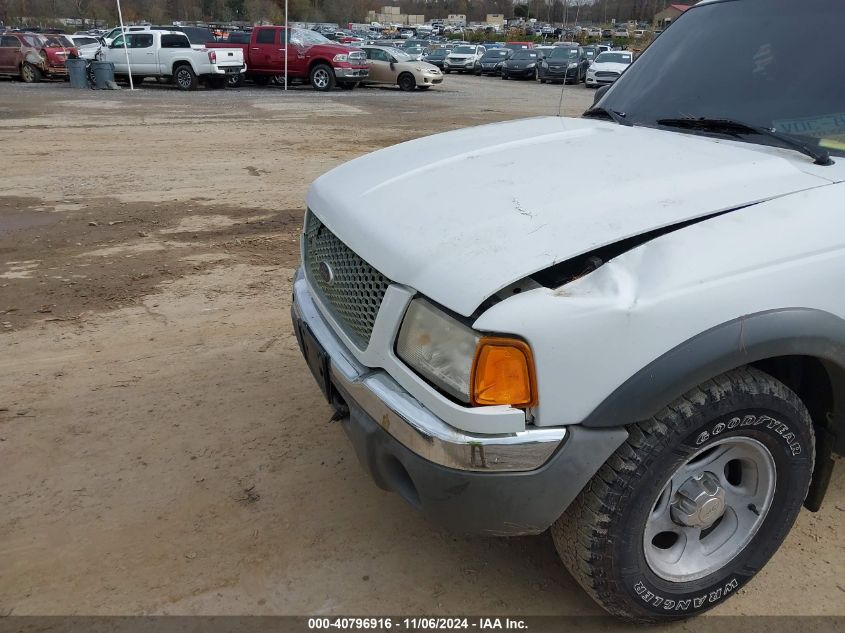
(163, 448)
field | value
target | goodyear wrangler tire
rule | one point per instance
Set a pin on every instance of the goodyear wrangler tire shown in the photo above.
(694, 503)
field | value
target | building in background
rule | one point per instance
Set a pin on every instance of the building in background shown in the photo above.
(496, 19)
(669, 15)
(456, 19)
(394, 15)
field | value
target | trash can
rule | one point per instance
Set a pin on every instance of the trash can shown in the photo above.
(103, 73)
(77, 72)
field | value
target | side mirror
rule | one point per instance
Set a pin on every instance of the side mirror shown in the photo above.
(600, 93)
(392, 64)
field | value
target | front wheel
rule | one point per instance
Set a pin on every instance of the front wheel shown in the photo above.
(322, 78)
(235, 80)
(406, 82)
(694, 503)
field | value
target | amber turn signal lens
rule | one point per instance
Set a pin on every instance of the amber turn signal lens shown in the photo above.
(503, 373)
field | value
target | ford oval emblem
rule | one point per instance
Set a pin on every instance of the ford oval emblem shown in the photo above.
(326, 273)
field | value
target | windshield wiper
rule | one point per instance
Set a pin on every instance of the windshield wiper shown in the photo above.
(819, 155)
(597, 112)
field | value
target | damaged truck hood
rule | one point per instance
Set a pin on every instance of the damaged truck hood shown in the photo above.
(461, 215)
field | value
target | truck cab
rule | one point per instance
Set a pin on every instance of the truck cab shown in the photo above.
(310, 57)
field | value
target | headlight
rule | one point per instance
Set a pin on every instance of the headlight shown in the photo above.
(438, 347)
(342, 57)
(573, 65)
(476, 369)
(531, 65)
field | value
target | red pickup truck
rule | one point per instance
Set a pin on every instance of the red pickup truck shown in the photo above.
(311, 57)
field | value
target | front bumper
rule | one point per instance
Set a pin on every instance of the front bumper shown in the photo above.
(519, 72)
(592, 80)
(352, 73)
(459, 67)
(510, 484)
(553, 74)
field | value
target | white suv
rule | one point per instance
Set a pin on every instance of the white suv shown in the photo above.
(646, 356)
(464, 58)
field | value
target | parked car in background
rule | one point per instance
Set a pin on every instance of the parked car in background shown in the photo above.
(394, 66)
(523, 63)
(437, 57)
(492, 60)
(516, 46)
(33, 57)
(169, 55)
(608, 67)
(567, 64)
(311, 58)
(620, 32)
(237, 37)
(108, 38)
(416, 53)
(591, 52)
(198, 36)
(464, 59)
(87, 45)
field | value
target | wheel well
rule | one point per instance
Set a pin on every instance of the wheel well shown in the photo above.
(317, 62)
(820, 385)
(179, 64)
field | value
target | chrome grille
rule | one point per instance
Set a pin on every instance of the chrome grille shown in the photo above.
(606, 73)
(351, 288)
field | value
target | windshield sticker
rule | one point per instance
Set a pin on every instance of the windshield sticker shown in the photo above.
(828, 128)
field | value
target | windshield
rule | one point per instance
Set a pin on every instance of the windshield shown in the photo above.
(564, 53)
(497, 54)
(615, 58)
(440, 52)
(464, 50)
(765, 63)
(526, 54)
(309, 38)
(399, 54)
(413, 50)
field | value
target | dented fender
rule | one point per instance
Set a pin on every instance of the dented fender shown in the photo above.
(616, 344)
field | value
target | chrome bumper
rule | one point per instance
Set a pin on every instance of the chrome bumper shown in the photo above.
(410, 423)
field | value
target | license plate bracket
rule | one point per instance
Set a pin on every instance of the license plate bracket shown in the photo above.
(316, 357)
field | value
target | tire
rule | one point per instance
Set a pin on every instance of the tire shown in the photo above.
(184, 78)
(504, 77)
(31, 74)
(447, 72)
(322, 78)
(616, 537)
(406, 82)
(542, 81)
(235, 80)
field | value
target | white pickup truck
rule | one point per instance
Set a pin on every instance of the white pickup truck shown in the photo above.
(170, 55)
(647, 356)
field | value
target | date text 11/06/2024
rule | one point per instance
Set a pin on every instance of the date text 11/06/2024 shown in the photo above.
(418, 623)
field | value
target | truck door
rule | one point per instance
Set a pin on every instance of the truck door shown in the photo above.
(142, 54)
(10, 49)
(267, 53)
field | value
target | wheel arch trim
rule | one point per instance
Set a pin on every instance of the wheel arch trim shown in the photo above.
(747, 339)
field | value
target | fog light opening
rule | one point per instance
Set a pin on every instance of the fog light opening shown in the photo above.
(400, 481)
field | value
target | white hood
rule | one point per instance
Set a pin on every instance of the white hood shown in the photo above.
(615, 67)
(459, 216)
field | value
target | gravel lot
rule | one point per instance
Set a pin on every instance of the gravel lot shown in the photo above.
(163, 447)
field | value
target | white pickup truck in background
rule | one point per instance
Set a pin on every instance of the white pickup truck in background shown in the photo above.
(170, 55)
